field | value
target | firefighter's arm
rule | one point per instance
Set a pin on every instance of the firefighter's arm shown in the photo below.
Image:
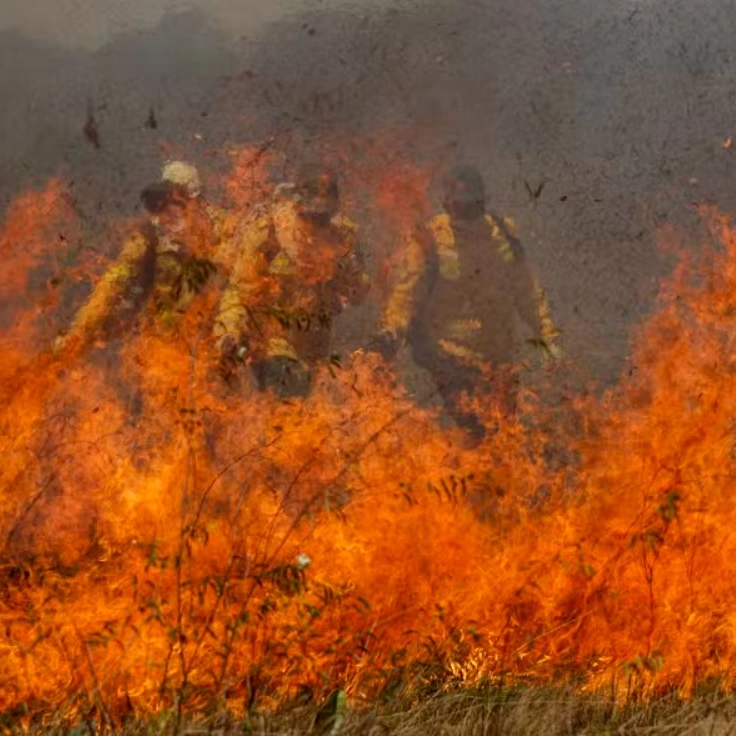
(547, 328)
(107, 291)
(242, 285)
(224, 228)
(402, 299)
(531, 298)
(401, 302)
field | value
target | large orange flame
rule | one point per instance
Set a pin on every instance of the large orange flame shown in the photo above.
(166, 540)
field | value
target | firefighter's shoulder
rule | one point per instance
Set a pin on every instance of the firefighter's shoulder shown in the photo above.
(439, 231)
(257, 226)
(224, 221)
(249, 237)
(136, 241)
(261, 220)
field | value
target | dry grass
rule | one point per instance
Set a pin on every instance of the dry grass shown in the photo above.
(522, 711)
(531, 711)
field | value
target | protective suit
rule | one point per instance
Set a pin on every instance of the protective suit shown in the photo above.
(299, 267)
(464, 281)
(163, 264)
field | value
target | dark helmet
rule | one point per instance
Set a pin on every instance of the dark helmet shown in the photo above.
(464, 193)
(317, 192)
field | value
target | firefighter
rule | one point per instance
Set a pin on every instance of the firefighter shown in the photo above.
(464, 280)
(163, 263)
(299, 267)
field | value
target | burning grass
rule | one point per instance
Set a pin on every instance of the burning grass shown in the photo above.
(171, 547)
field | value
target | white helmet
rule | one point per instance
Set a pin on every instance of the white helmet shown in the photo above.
(183, 174)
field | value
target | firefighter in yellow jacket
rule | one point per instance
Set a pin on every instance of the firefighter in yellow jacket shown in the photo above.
(163, 263)
(299, 266)
(464, 280)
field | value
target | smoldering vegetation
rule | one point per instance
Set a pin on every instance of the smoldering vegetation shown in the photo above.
(597, 125)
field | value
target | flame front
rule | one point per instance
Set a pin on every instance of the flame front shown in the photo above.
(164, 537)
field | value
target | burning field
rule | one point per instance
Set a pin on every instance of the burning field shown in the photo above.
(171, 542)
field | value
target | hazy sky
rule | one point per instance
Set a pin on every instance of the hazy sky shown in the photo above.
(90, 23)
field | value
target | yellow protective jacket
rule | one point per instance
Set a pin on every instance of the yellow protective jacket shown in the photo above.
(289, 283)
(460, 288)
(165, 269)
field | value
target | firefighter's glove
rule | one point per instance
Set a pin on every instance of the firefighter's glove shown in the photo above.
(549, 350)
(386, 343)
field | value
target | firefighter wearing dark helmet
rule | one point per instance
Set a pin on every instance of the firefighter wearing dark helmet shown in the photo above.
(464, 280)
(299, 268)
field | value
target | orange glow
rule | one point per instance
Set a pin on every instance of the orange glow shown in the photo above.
(248, 183)
(40, 231)
(151, 519)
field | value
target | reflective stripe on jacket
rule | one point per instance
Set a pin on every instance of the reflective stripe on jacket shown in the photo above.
(170, 268)
(288, 283)
(469, 324)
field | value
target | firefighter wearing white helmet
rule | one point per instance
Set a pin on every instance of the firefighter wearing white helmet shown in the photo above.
(182, 174)
(165, 262)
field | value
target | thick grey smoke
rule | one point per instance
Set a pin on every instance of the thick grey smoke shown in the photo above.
(595, 123)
